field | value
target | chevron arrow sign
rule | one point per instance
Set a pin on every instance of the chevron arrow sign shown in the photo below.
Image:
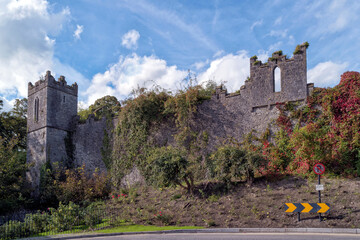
(307, 207)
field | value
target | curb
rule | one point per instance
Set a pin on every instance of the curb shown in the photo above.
(212, 230)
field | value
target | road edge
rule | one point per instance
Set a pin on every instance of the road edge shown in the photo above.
(211, 230)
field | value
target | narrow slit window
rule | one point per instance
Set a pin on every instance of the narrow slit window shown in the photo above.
(36, 110)
(63, 98)
(277, 80)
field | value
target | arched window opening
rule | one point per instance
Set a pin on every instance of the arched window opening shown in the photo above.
(277, 80)
(36, 110)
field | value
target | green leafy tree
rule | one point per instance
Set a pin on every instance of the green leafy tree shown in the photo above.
(107, 106)
(169, 167)
(230, 162)
(12, 174)
(13, 124)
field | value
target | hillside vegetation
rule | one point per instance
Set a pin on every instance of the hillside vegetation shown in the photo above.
(326, 130)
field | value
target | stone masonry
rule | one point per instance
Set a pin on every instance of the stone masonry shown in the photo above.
(54, 129)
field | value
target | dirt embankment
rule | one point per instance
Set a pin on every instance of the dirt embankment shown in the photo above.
(261, 205)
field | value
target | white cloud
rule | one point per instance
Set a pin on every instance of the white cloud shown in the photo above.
(326, 74)
(218, 53)
(201, 64)
(257, 23)
(333, 16)
(275, 46)
(278, 33)
(7, 105)
(26, 50)
(232, 69)
(132, 71)
(263, 55)
(129, 39)
(78, 31)
(27, 43)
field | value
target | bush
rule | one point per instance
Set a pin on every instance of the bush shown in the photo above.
(93, 214)
(38, 222)
(168, 166)
(14, 229)
(79, 186)
(65, 217)
(234, 162)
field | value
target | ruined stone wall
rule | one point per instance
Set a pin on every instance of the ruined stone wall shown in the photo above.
(88, 140)
(259, 89)
(222, 117)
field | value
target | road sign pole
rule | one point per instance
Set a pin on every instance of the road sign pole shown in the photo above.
(298, 216)
(319, 196)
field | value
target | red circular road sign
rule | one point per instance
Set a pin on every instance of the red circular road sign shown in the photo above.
(319, 168)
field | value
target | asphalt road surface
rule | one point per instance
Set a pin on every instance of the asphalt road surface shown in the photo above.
(233, 236)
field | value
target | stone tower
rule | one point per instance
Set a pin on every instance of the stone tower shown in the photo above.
(51, 107)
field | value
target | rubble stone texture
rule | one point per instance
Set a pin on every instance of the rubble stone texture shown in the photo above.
(54, 128)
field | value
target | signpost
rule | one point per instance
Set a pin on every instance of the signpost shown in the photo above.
(319, 169)
(311, 207)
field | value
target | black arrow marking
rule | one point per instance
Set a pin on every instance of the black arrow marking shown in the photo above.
(315, 206)
(299, 207)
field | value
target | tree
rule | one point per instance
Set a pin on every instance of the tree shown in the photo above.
(230, 162)
(168, 167)
(107, 106)
(12, 174)
(13, 124)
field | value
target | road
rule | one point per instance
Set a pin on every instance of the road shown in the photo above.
(233, 236)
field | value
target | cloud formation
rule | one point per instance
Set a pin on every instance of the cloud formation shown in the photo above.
(129, 39)
(326, 74)
(26, 46)
(27, 41)
(232, 69)
(257, 23)
(78, 31)
(133, 71)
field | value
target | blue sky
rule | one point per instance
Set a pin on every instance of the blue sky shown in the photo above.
(110, 47)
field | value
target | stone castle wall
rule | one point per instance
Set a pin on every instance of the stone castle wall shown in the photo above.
(88, 140)
(223, 116)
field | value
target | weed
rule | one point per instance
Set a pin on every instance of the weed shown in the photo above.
(214, 198)
(176, 196)
(209, 222)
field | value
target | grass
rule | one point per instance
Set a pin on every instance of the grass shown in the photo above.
(123, 228)
(142, 228)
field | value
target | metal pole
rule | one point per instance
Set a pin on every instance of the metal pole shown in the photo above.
(319, 197)
(298, 216)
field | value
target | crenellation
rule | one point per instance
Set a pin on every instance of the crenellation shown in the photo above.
(224, 115)
(49, 81)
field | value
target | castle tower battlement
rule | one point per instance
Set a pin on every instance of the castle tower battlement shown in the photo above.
(49, 81)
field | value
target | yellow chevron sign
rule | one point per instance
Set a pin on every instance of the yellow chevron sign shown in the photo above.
(307, 207)
(324, 207)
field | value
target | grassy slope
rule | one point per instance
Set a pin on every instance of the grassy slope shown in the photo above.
(142, 228)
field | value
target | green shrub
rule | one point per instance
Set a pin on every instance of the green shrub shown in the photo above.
(93, 214)
(38, 222)
(168, 166)
(14, 229)
(65, 217)
(78, 186)
(234, 162)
